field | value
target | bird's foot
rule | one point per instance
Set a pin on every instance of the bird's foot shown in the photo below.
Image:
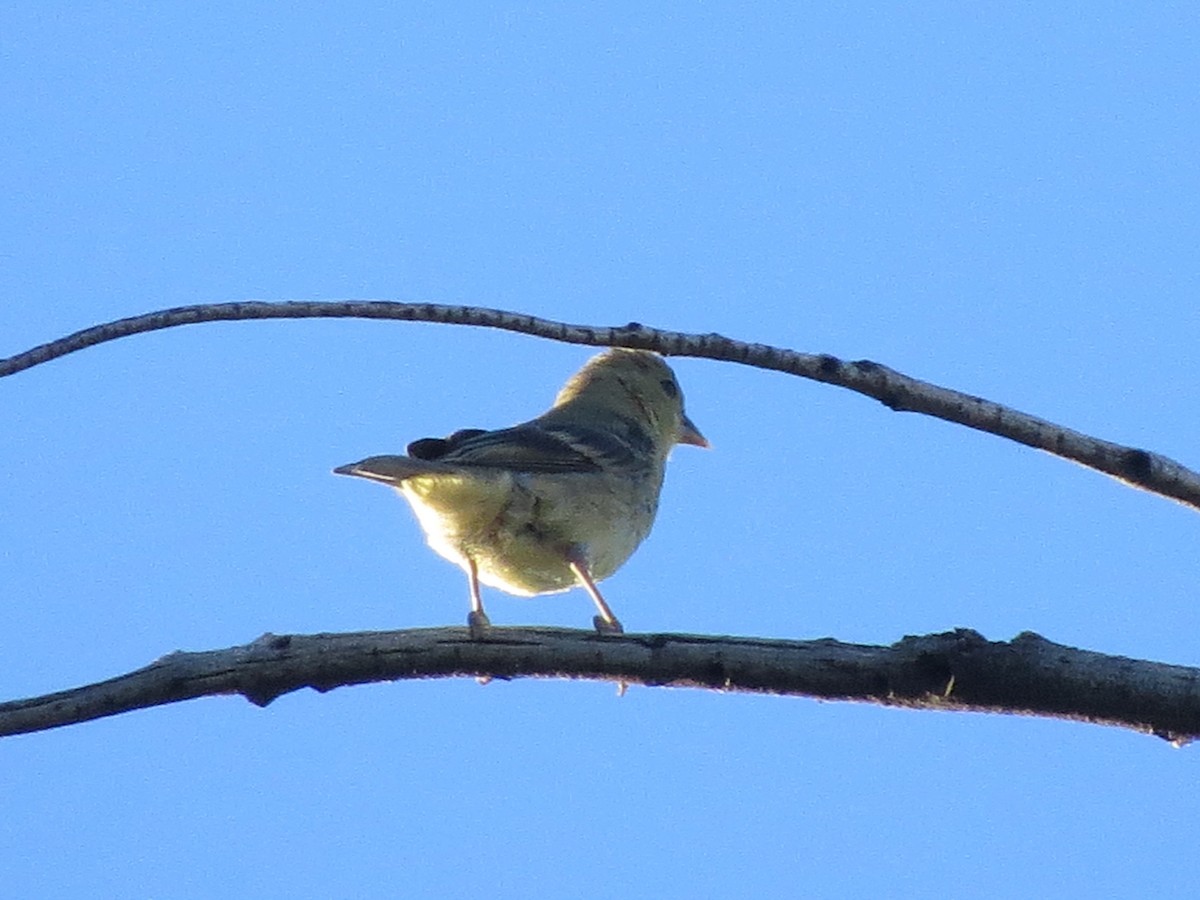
(478, 623)
(607, 626)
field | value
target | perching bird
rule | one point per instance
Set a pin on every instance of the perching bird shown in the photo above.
(558, 502)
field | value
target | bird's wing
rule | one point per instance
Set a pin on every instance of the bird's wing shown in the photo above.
(535, 447)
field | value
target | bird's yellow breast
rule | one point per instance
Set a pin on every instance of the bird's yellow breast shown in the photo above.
(519, 530)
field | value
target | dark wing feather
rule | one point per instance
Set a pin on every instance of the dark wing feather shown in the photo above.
(542, 446)
(435, 448)
(522, 448)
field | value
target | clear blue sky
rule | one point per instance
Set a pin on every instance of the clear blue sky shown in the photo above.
(999, 198)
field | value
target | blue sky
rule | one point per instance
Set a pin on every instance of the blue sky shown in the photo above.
(999, 198)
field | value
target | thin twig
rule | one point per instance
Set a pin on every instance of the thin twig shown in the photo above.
(1134, 466)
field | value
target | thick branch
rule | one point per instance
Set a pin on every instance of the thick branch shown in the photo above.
(1140, 468)
(957, 671)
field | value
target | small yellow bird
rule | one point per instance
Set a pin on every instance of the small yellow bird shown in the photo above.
(558, 502)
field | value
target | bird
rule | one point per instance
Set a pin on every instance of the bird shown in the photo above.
(558, 502)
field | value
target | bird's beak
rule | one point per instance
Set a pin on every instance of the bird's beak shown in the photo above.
(690, 434)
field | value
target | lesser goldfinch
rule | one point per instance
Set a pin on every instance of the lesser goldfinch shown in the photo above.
(557, 502)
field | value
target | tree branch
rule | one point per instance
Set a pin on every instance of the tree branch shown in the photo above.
(1134, 466)
(956, 671)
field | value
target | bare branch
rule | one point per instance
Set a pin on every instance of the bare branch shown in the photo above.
(956, 671)
(1134, 466)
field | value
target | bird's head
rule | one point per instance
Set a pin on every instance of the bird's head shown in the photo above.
(636, 385)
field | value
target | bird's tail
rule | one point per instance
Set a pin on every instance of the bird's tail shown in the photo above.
(392, 469)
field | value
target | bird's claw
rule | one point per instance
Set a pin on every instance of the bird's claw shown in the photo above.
(607, 626)
(478, 623)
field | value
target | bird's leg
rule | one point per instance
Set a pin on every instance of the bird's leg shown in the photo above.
(606, 622)
(477, 619)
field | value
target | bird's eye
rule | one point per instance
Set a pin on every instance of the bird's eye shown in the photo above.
(669, 387)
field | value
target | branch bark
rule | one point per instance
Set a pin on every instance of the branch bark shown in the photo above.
(956, 671)
(1132, 465)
